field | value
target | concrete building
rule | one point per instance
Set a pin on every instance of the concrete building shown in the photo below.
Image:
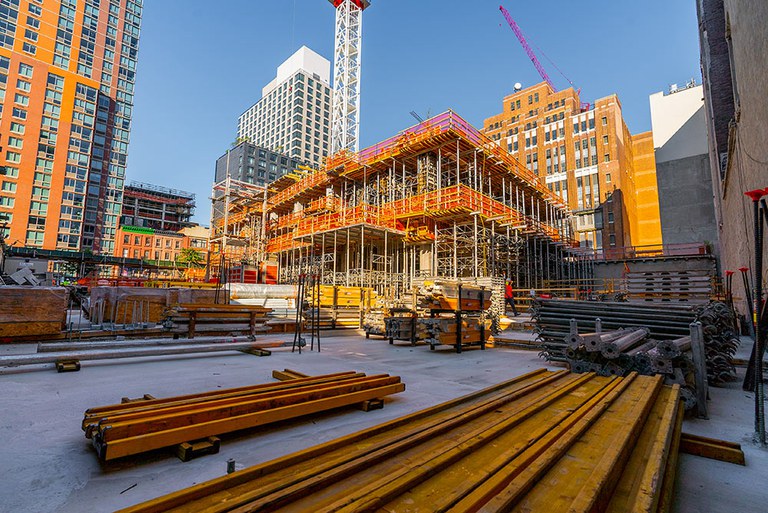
(734, 59)
(160, 208)
(67, 73)
(682, 166)
(293, 115)
(250, 163)
(584, 153)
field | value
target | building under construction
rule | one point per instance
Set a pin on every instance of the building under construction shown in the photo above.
(438, 200)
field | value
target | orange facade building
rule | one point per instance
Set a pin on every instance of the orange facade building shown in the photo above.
(586, 155)
(67, 71)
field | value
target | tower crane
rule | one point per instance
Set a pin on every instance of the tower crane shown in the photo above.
(531, 55)
(527, 47)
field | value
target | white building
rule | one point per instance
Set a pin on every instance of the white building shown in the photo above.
(686, 203)
(293, 116)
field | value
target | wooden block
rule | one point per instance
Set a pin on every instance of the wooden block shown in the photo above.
(256, 351)
(712, 448)
(145, 397)
(188, 450)
(371, 404)
(68, 366)
(288, 374)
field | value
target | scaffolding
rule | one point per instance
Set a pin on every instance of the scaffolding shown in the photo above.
(438, 200)
(237, 224)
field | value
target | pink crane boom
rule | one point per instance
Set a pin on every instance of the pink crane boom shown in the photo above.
(527, 47)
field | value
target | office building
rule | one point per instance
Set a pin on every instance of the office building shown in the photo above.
(585, 154)
(250, 163)
(293, 115)
(67, 73)
(160, 208)
(683, 172)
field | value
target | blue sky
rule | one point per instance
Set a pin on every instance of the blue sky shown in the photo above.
(200, 66)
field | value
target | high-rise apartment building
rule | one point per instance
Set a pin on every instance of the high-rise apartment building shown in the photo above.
(586, 155)
(67, 72)
(293, 115)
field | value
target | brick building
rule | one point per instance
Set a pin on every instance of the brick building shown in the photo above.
(584, 153)
(149, 244)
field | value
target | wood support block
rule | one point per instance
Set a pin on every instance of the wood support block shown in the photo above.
(371, 404)
(145, 397)
(256, 351)
(68, 366)
(188, 450)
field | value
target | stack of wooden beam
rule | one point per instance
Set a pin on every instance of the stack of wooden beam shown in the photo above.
(442, 331)
(444, 295)
(131, 428)
(374, 324)
(116, 304)
(343, 307)
(32, 311)
(545, 441)
(218, 319)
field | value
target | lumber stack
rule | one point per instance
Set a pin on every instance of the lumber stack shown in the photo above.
(130, 428)
(545, 441)
(193, 319)
(374, 324)
(445, 295)
(119, 304)
(443, 331)
(342, 307)
(32, 311)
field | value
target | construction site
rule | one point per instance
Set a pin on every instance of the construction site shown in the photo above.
(430, 323)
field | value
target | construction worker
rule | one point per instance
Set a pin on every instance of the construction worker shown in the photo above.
(509, 297)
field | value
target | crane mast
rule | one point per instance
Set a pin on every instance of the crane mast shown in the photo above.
(345, 120)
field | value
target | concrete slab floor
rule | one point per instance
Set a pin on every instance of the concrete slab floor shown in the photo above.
(47, 464)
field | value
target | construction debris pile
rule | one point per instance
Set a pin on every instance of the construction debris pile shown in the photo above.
(134, 427)
(643, 338)
(545, 441)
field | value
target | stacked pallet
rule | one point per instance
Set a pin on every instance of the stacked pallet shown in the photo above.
(545, 441)
(192, 319)
(670, 286)
(32, 311)
(442, 331)
(130, 428)
(343, 307)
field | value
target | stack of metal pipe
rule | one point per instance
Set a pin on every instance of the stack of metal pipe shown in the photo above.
(668, 325)
(620, 352)
(721, 341)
